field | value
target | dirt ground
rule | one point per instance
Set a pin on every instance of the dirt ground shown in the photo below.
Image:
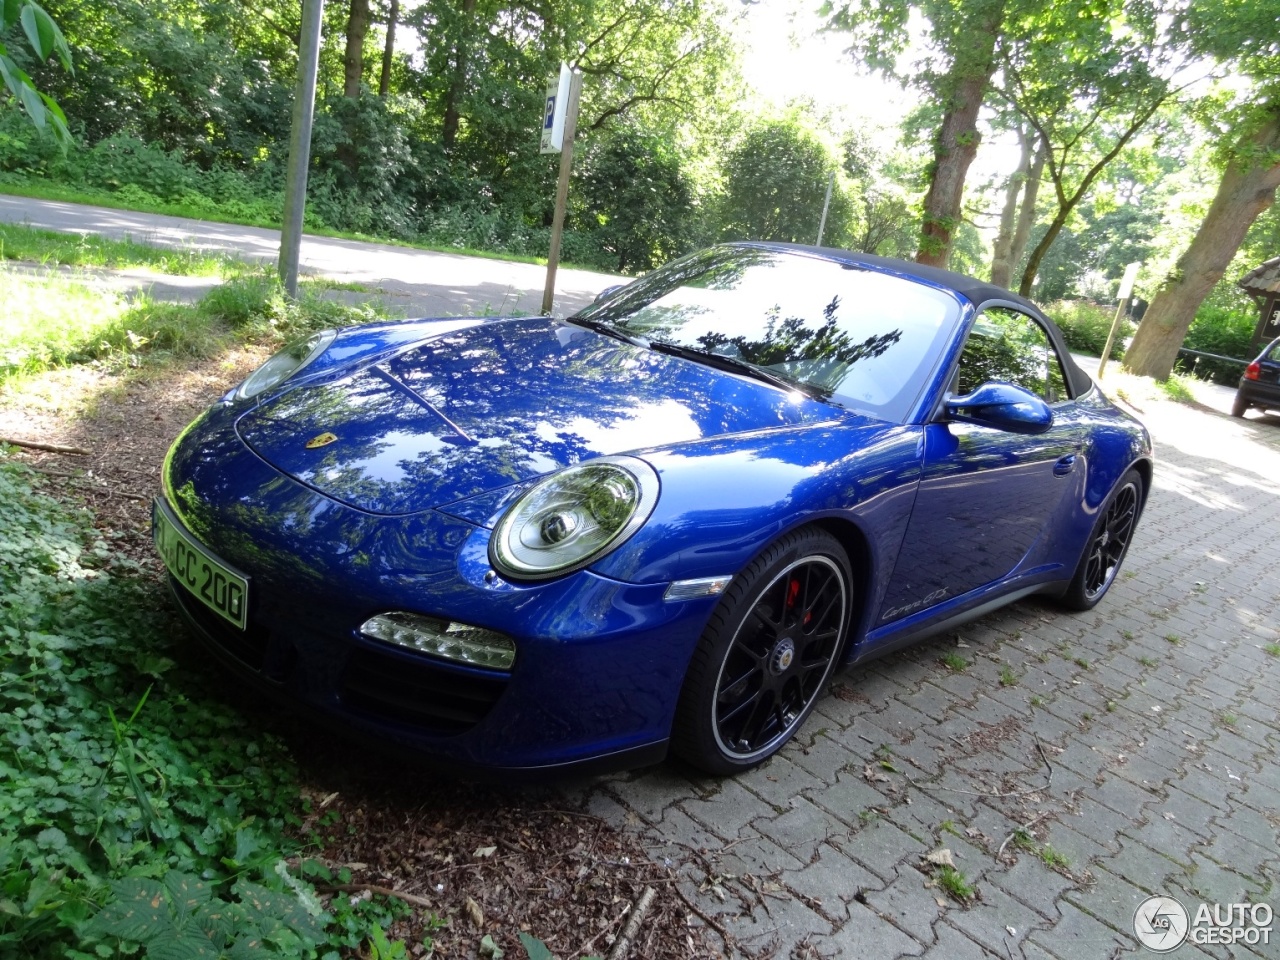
(484, 860)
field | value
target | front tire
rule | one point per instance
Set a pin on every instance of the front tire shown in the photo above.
(766, 654)
(1108, 543)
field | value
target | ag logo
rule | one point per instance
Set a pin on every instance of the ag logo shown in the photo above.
(1161, 924)
(323, 440)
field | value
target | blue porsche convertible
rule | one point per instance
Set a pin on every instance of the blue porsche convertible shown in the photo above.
(659, 525)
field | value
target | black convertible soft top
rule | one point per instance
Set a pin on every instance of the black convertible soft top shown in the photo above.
(978, 292)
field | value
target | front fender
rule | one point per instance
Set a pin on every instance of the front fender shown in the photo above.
(724, 500)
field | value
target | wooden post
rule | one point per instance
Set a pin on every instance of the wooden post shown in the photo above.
(562, 189)
(304, 108)
(1126, 291)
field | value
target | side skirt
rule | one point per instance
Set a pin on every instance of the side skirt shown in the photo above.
(869, 650)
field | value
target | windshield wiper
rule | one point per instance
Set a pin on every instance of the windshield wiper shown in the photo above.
(608, 329)
(735, 365)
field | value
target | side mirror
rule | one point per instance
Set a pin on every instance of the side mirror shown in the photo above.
(1002, 406)
(606, 291)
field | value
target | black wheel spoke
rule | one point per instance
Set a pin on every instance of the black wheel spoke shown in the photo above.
(776, 663)
(1110, 540)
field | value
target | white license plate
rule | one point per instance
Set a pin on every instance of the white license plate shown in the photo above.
(206, 578)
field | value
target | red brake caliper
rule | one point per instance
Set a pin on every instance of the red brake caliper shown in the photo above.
(793, 594)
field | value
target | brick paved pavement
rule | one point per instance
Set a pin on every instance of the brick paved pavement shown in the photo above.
(1116, 754)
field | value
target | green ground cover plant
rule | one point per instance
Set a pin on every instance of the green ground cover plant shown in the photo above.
(141, 815)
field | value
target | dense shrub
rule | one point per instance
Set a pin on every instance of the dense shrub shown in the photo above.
(1224, 331)
(1085, 327)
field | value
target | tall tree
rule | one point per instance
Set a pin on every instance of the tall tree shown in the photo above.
(1002, 261)
(389, 47)
(358, 20)
(1241, 34)
(1087, 81)
(1248, 188)
(963, 37)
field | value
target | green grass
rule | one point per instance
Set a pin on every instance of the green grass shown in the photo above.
(1272, 649)
(50, 247)
(1007, 677)
(1173, 638)
(44, 190)
(1053, 858)
(953, 661)
(955, 884)
(1148, 661)
(55, 321)
(1081, 662)
(1229, 719)
(1036, 700)
(1175, 388)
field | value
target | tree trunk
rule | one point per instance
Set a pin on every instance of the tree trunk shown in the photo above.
(957, 141)
(1248, 188)
(353, 61)
(1027, 213)
(1068, 203)
(449, 134)
(384, 82)
(1001, 266)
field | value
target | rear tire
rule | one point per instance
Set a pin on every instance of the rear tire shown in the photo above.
(1107, 545)
(766, 655)
(1239, 406)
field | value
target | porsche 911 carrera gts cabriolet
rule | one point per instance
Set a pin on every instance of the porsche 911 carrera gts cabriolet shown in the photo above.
(659, 525)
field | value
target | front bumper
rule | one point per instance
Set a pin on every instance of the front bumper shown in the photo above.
(599, 662)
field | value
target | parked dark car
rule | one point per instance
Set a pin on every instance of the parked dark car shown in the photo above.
(1260, 385)
(662, 523)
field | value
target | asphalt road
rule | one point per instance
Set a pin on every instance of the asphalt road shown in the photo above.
(418, 282)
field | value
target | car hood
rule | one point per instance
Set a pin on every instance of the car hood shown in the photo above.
(495, 404)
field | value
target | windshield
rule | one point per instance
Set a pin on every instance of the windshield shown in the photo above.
(843, 332)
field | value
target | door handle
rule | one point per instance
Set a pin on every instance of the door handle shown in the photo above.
(1064, 466)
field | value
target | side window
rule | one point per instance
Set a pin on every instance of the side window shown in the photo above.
(1010, 346)
(1274, 352)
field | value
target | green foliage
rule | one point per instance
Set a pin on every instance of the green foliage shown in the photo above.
(639, 205)
(1085, 327)
(1224, 331)
(45, 40)
(125, 779)
(775, 185)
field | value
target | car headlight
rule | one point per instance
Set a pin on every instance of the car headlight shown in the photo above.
(285, 364)
(573, 517)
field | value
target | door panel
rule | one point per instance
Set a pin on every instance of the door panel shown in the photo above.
(986, 495)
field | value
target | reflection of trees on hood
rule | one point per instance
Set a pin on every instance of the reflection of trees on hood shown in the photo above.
(792, 339)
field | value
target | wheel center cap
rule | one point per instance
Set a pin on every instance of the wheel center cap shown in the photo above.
(1106, 538)
(782, 657)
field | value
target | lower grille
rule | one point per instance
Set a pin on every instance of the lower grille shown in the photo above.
(249, 646)
(417, 693)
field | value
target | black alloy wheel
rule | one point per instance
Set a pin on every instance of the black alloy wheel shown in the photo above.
(766, 654)
(1108, 543)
